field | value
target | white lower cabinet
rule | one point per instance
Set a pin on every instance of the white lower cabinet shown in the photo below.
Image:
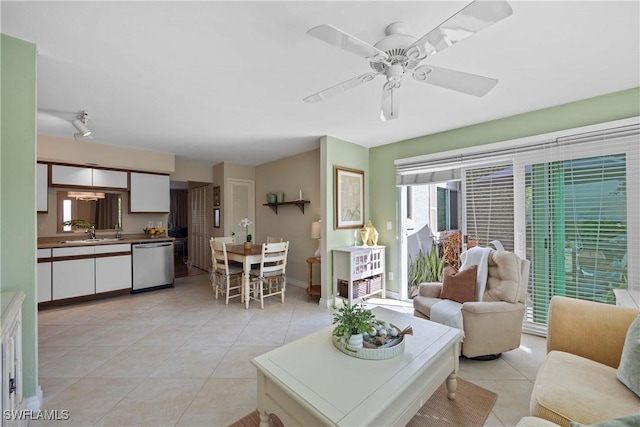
(73, 277)
(86, 270)
(44, 275)
(113, 272)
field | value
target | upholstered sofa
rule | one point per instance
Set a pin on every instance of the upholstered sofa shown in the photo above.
(578, 379)
(493, 325)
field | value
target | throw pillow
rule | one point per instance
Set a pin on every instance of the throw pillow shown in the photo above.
(459, 286)
(629, 369)
(626, 421)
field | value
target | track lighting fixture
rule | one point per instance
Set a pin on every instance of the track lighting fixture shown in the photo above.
(80, 123)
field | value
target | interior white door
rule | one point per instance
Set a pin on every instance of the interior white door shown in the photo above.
(242, 205)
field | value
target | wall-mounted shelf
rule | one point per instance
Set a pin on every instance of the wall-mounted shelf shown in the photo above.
(299, 203)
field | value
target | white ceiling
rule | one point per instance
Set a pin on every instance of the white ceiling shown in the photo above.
(224, 81)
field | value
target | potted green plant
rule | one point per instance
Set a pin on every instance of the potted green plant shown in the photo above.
(425, 268)
(351, 322)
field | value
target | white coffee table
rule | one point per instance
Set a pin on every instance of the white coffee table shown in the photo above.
(309, 382)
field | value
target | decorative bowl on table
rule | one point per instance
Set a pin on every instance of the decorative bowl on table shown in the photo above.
(154, 231)
(378, 346)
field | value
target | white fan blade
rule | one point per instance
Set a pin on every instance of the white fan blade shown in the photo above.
(473, 18)
(340, 87)
(330, 34)
(471, 84)
(390, 104)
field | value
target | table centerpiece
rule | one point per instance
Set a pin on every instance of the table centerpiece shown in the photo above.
(358, 333)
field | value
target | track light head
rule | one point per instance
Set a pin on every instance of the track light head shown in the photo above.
(82, 129)
(80, 123)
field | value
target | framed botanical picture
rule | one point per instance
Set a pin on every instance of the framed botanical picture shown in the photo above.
(216, 195)
(216, 217)
(349, 197)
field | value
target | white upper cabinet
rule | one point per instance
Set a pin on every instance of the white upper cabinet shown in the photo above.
(149, 192)
(71, 175)
(78, 176)
(42, 187)
(109, 179)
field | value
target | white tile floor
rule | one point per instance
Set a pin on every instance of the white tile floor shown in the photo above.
(179, 357)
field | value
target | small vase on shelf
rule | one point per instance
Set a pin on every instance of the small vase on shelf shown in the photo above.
(373, 234)
(364, 235)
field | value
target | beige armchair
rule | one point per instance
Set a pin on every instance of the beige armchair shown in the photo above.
(493, 325)
(578, 379)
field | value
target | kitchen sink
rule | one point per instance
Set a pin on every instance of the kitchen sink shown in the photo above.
(91, 240)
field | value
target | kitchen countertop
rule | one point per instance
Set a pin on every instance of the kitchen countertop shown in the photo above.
(80, 240)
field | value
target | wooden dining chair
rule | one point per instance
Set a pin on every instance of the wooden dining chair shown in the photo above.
(223, 273)
(270, 279)
(228, 240)
(271, 239)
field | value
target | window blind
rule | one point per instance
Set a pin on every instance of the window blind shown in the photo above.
(488, 205)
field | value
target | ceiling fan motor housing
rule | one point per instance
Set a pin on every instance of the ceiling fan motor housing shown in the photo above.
(395, 45)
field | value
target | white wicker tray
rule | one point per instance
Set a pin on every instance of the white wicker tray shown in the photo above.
(370, 353)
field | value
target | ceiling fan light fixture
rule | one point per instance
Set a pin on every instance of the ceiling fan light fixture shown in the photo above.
(394, 75)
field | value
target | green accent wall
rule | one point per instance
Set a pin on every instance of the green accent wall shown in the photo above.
(383, 202)
(17, 191)
(335, 152)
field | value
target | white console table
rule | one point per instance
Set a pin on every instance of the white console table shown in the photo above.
(357, 264)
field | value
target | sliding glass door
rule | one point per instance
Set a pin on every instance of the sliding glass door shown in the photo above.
(570, 205)
(576, 230)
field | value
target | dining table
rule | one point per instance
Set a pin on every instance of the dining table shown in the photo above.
(248, 257)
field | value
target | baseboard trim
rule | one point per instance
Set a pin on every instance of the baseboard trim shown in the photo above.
(297, 283)
(34, 403)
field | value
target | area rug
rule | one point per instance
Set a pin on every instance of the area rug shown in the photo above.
(471, 408)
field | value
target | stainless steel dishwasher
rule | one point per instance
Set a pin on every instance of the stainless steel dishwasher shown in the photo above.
(152, 266)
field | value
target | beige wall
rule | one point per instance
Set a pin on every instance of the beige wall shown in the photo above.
(192, 171)
(299, 172)
(63, 150)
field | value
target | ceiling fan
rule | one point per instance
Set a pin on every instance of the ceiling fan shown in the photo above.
(399, 53)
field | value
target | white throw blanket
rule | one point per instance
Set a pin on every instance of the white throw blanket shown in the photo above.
(449, 313)
(480, 257)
